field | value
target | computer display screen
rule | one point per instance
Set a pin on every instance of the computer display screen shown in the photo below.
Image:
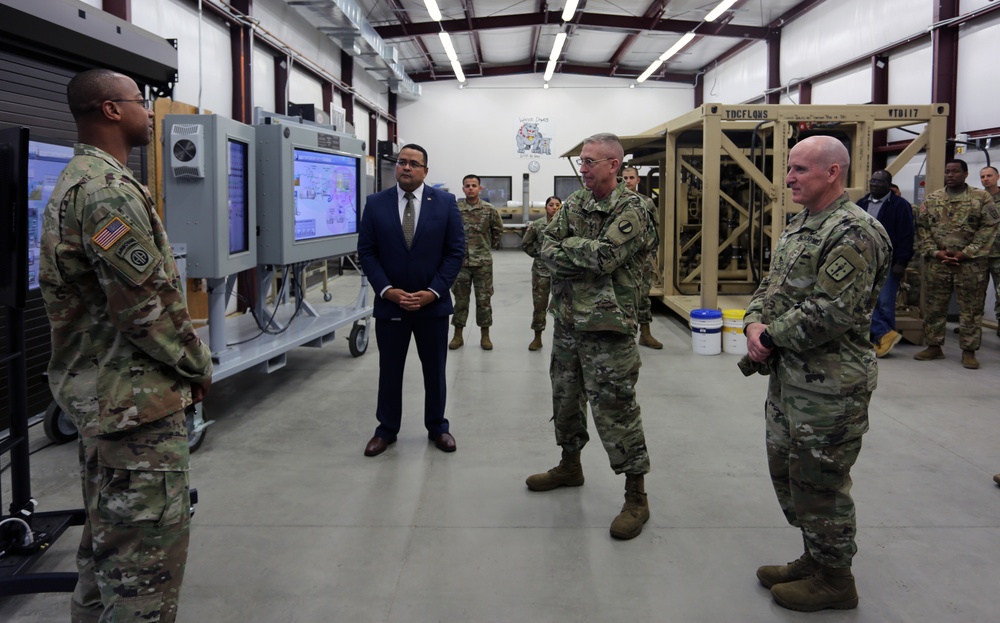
(239, 201)
(45, 162)
(325, 194)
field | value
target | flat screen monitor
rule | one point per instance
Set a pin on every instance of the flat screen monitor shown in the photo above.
(46, 160)
(13, 214)
(239, 200)
(326, 198)
(310, 188)
(210, 193)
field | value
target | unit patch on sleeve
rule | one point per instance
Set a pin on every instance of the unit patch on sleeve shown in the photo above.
(841, 271)
(624, 229)
(111, 233)
(134, 257)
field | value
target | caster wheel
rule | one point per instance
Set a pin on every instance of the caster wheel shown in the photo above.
(58, 426)
(358, 341)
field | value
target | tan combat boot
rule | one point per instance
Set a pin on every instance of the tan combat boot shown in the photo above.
(536, 344)
(635, 511)
(996, 478)
(931, 352)
(828, 588)
(569, 473)
(646, 338)
(457, 341)
(769, 575)
(969, 360)
(484, 339)
(886, 342)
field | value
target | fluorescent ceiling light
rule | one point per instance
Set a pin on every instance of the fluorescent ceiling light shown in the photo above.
(557, 46)
(432, 8)
(457, 67)
(549, 70)
(649, 71)
(449, 49)
(569, 10)
(711, 17)
(675, 48)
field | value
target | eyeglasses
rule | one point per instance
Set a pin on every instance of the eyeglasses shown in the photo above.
(402, 162)
(589, 161)
(144, 102)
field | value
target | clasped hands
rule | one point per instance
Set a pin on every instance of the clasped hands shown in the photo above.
(757, 351)
(410, 301)
(951, 258)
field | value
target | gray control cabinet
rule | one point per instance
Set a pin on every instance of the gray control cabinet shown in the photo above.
(311, 186)
(210, 188)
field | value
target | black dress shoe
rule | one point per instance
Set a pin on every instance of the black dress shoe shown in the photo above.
(377, 446)
(444, 442)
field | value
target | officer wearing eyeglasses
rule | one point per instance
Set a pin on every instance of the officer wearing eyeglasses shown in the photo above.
(126, 361)
(595, 248)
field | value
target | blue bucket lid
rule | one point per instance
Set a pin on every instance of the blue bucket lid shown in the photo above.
(706, 314)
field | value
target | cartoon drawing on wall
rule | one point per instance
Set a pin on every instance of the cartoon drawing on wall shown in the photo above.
(533, 136)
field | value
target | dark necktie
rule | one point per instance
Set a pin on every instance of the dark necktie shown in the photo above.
(408, 219)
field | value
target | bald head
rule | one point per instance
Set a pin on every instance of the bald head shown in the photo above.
(817, 171)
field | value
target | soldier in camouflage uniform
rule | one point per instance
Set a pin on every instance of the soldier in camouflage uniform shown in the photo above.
(808, 324)
(595, 248)
(531, 244)
(955, 230)
(126, 361)
(483, 229)
(989, 177)
(630, 175)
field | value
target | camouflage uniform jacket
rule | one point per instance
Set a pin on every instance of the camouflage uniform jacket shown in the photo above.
(817, 299)
(595, 250)
(124, 352)
(531, 244)
(966, 222)
(483, 229)
(995, 251)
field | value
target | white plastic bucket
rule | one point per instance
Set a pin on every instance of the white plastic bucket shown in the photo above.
(706, 331)
(733, 340)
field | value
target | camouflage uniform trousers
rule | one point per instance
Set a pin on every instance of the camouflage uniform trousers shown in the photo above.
(644, 313)
(599, 367)
(482, 278)
(812, 442)
(966, 280)
(134, 546)
(541, 286)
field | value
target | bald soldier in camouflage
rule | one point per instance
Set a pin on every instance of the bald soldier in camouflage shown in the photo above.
(630, 175)
(955, 229)
(483, 229)
(989, 176)
(531, 243)
(809, 323)
(595, 248)
(126, 361)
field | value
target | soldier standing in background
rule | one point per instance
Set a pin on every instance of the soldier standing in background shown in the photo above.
(630, 175)
(483, 229)
(126, 361)
(595, 248)
(813, 310)
(896, 216)
(531, 244)
(955, 230)
(989, 177)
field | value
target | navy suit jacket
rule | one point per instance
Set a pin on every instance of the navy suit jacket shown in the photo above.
(432, 263)
(896, 216)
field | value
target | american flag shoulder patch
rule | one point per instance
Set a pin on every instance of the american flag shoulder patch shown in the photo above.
(111, 233)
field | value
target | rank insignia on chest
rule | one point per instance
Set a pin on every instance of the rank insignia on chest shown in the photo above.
(111, 233)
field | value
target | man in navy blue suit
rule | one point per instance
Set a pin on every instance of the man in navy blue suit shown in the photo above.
(411, 247)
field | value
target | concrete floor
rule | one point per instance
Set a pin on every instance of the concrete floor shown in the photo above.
(295, 525)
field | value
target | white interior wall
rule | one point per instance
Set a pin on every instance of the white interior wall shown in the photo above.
(173, 19)
(849, 87)
(740, 79)
(303, 88)
(295, 31)
(262, 85)
(472, 130)
(978, 50)
(835, 32)
(910, 83)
